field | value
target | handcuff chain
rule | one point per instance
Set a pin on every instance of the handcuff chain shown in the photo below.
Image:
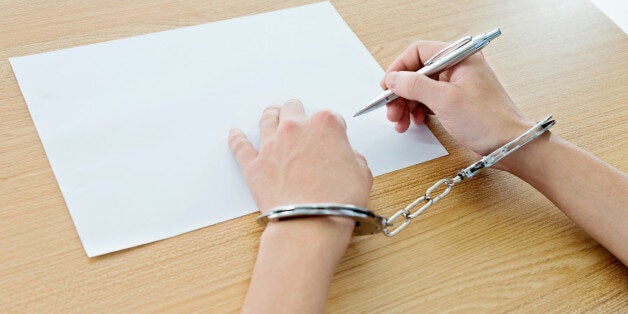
(425, 198)
(466, 173)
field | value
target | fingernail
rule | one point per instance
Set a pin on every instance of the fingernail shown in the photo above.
(294, 101)
(233, 131)
(391, 80)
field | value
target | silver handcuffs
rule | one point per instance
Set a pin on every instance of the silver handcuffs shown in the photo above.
(367, 222)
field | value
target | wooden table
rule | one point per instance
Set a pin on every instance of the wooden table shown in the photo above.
(493, 244)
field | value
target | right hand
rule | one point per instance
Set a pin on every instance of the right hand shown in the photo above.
(468, 99)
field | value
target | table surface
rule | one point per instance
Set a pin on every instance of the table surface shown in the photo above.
(493, 243)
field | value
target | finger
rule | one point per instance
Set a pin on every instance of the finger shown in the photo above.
(415, 86)
(415, 56)
(411, 104)
(268, 122)
(241, 148)
(444, 76)
(292, 108)
(395, 109)
(364, 165)
(404, 123)
(361, 159)
(418, 115)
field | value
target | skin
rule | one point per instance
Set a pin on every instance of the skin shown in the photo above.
(297, 258)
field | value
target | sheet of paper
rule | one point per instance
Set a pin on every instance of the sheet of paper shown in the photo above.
(136, 129)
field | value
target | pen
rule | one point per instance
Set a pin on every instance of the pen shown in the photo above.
(442, 60)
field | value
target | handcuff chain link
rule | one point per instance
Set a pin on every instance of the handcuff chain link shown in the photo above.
(428, 201)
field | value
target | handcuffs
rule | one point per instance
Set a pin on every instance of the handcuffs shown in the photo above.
(367, 222)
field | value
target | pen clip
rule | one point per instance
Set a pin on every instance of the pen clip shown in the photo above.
(459, 43)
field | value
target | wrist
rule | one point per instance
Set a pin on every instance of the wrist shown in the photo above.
(328, 234)
(296, 262)
(510, 129)
(529, 159)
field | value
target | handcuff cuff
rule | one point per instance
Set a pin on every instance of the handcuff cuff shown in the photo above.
(367, 222)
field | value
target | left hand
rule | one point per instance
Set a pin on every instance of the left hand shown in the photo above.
(301, 160)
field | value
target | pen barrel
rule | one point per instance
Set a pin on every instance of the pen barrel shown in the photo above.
(450, 59)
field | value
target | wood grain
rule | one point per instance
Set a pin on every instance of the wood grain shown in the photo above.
(494, 244)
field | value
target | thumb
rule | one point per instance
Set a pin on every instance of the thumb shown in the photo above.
(416, 86)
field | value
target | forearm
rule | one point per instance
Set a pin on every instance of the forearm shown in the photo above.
(295, 265)
(589, 191)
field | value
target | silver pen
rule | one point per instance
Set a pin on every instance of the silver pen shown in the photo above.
(442, 60)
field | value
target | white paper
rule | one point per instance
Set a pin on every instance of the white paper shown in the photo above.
(616, 10)
(136, 129)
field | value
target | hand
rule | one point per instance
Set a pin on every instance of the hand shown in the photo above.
(467, 99)
(301, 160)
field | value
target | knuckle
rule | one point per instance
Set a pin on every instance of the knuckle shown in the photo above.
(323, 115)
(289, 125)
(359, 156)
(329, 118)
(363, 160)
(418, 43)
(415, 47)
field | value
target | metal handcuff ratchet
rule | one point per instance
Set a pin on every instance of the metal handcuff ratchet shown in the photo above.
(367, 222)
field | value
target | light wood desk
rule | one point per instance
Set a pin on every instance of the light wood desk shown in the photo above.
(493, 244)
